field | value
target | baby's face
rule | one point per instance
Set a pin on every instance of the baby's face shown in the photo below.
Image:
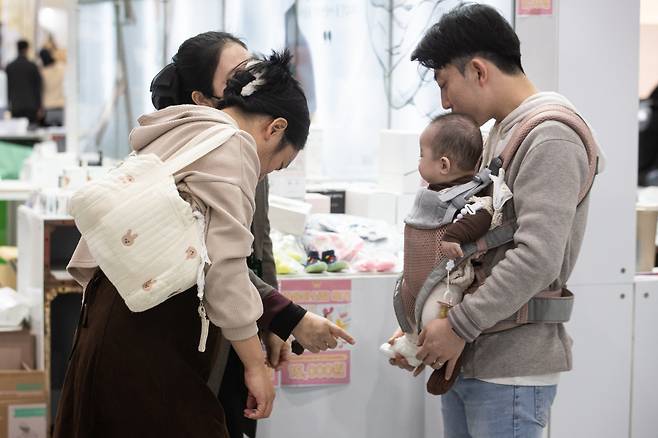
(434, 170)
(428, 167)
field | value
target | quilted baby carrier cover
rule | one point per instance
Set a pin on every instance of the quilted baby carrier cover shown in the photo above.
(146, 238)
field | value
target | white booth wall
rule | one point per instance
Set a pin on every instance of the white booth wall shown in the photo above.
(588, 51)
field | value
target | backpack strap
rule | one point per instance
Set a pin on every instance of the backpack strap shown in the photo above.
(188, 155)
(565, 115)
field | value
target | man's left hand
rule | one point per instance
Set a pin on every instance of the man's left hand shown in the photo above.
(439, 345)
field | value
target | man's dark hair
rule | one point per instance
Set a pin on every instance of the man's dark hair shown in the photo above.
(22, 46)
(457, 137)
(465, 32)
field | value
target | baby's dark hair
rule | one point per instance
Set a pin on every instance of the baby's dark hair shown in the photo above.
(266, 86)
(458, 137)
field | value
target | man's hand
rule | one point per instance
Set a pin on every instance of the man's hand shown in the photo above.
(452, 250)
(316, 333)
(439, 345)
(278, 351)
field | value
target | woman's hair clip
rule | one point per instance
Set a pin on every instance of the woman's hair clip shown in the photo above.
(257, 80)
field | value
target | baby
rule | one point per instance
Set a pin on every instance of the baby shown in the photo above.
(450, 150)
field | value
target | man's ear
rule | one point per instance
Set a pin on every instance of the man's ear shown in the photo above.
(480, 70)
(444, 165)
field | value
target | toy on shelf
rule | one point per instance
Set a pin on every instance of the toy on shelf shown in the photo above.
(333, 263)
(314, 265)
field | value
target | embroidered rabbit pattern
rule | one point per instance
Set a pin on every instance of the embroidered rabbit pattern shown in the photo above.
(129, 238)
(191, 253)
(126, 179)
(148, 285)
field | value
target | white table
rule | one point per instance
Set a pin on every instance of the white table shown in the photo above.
(380, 401)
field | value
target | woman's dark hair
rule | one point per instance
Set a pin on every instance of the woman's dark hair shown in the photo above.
(267, 86)
(46, 57)
(467, 31)
(192, 69)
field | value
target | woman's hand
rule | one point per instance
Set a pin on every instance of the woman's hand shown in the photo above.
(316, 333)
(278, 350)
(257, 377)
(261, 392)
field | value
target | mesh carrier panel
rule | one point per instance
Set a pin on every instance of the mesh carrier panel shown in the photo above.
(422, 253)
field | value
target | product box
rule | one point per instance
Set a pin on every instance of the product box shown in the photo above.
(24, 418)
(22, 384)
(320, 204)
(17, 350)
(288, 215)
(398, 161)
(8, 257)
(290, 182)
(398, 151)
(336, 199)
(371, 203)
(406, 183)
(23, 404)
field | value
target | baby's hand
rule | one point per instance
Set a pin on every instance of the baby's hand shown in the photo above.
(452, 250)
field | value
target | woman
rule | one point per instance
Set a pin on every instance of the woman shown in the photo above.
(140, 374)
(202, 64)
(52, 73)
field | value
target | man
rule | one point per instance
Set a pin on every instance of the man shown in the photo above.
(509, 379)
(24, 86)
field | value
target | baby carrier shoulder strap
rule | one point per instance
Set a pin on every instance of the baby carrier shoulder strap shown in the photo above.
(562, 114)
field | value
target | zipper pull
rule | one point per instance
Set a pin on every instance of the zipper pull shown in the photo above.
(205, 326)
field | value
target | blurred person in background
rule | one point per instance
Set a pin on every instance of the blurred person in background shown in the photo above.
(24, 86)
(52, 73)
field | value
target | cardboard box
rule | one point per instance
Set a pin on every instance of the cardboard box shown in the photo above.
(24, 418)
(22, 384)
(17, 350)
(8, 257)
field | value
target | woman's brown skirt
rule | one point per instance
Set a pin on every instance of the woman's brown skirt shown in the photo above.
(138, 374)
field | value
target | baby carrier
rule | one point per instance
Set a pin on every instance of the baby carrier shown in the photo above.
(425, 268)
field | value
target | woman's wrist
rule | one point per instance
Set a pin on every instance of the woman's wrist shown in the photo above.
(250, 352)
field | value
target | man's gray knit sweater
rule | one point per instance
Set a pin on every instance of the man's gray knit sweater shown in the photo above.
(546, 176)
